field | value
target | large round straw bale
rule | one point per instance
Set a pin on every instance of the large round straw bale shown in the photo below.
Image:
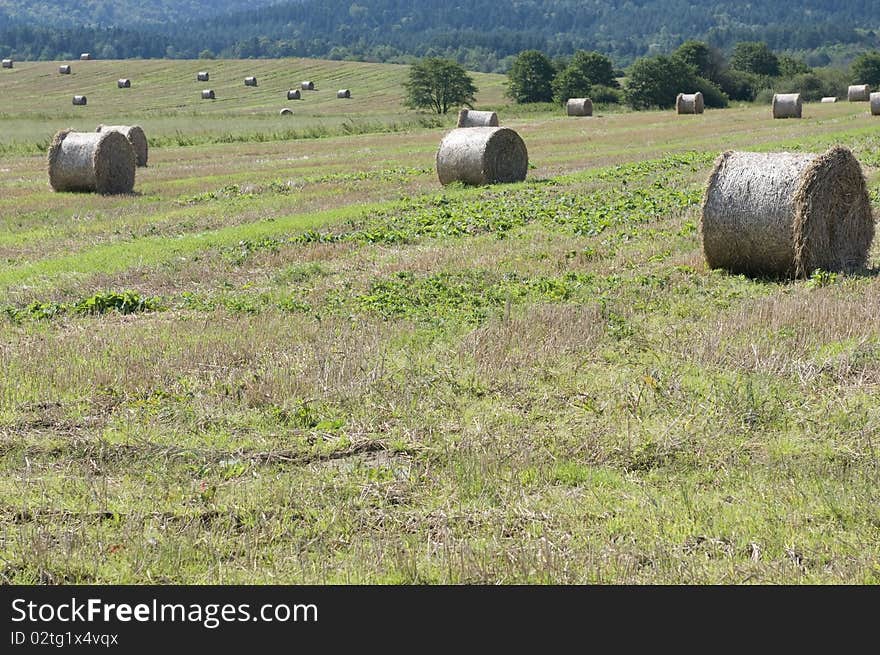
(7, 63)
(208, 94)
(250, 81)
(579, 107)
(123, 83)
(64, 69)
(85, 56)
(305, 85)
(787, 105)
(294, 94)
(202, 76)
(286, 111)
(80, 100)
(786, 214)
(474, 118)
(136, 137)
(829, 99)
(91, 161)
(858, 93)
(482, 155)
(875, 103)
(343, 93)
(689, 103)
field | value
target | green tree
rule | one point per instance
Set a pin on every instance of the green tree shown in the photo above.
(571, 83)
(656, 81)
(755, 57)
(706, 60)
(586, 70)
(789, 66)
(438, 84)
(531, 77)
(866, 69)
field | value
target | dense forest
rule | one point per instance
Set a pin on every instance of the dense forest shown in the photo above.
(482, 34)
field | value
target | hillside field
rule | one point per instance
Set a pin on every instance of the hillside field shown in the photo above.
(291, 356)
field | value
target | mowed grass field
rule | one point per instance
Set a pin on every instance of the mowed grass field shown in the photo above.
(292, 357)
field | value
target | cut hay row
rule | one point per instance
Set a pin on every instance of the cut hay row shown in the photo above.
(482, 155)
(786, 214)
(858, 93)
(787, 105)
(579, 107)
(91, 161)
(474, 118)
(136, 137)
(689, 103)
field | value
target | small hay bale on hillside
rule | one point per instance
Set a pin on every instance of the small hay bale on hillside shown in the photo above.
(80, 101)
(482, 155)
(689, 103)
(286, 111)
(828, 99)
(343, 93)
(875, 103)
(306, 85)
(208, 94)
(250, 81)
(474, 118)
(85, 56)
(787, 105)
(136, 137)
(858, 93)
(294, 94)
(123, 83)
(91, 161)
(786, 214)
(7, 63)
(579, 107)
(64, 69)
(202, 76)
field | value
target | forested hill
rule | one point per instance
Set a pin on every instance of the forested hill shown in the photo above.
(480, 33)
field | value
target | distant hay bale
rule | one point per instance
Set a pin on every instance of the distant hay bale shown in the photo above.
(689, 103)
(875, 103)
(286, 111)
(123, 83)
(64, 69)
(787, 105)
(202, 76)
(136, 137)
(474, 118)
(307, 86)
(294, 94)
(250, 81)
(579, 107)
(85, 56)
(482, 155)
(91, 161)
(343, 93)
(208, 94)
(80, 100)
(786, 214)
(829, 99)
(7, 63)
(858, 93)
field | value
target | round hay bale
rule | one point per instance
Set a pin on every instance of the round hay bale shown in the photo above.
(294, 94)
(136, 137)
(474, 118)
(250, 81)
(123, 83)
(91, 161)
(875, 103)
(689, 103)
(482, 155)
(306, 85)
(64, 69)
(7, 63)
(286, 111)
(786, 214)
(828, 99)
(343, 93)
(85, 56)
(579, 107)
(858, 93)
(80, 101)
(202, 76)
(787, 105)
(208, 94)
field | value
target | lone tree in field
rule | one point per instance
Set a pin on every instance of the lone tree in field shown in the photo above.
(531, 77)
(439, 84)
